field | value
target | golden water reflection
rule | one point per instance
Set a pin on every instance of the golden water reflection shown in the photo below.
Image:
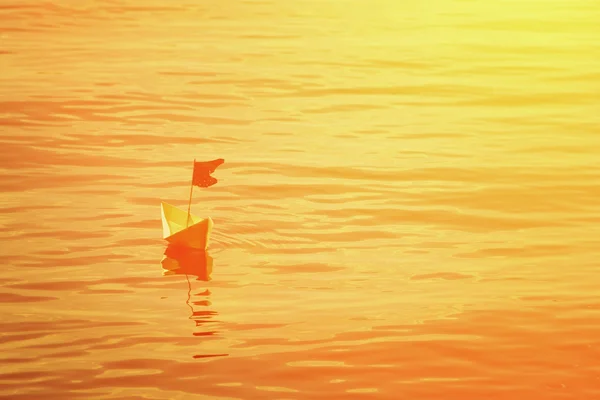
(179, 260)
(182, 261)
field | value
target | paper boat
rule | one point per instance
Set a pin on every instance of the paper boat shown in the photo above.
(179, 231)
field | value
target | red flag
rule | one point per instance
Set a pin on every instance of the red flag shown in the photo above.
(202, 171)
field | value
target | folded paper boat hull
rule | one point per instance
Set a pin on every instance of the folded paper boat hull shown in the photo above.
(177, 231)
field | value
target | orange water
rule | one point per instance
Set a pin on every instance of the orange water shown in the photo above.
(408, 208)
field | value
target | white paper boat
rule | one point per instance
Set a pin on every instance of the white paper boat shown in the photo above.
(178, 231)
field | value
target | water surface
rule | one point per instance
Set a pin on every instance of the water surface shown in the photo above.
(408, 208)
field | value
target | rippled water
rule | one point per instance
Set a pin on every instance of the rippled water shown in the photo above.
(408, 208)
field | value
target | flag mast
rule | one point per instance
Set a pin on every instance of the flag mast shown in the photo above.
(187, 222)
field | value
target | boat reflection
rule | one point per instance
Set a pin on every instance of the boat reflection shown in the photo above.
(179, 260)
(185, 261)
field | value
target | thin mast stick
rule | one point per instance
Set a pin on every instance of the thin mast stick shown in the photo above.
(187, 223)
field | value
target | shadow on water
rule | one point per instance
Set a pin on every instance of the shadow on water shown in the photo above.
(191, 262)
